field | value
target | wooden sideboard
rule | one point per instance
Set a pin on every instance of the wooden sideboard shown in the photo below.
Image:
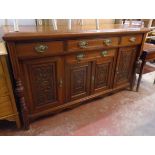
(8, 110)
(55, 70)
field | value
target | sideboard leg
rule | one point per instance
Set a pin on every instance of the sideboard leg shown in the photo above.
(140, 74)
(18, 124)
(23, 107)
(137, 64)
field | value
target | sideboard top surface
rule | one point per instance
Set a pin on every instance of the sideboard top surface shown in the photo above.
(47, 32)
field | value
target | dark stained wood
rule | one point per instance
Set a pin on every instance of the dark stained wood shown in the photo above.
(65, 74)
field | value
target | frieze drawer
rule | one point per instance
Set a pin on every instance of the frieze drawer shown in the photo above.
(130, 40)
(38, 49)
(88, 56)
(84, 44)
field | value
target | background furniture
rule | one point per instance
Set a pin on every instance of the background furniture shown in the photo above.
(148, 54)
(8, 108)
(150, 23)
(56, 70)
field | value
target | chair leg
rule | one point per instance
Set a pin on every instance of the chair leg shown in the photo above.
(140, 74)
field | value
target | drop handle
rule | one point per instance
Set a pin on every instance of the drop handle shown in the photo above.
(107, 42)
(132, 39)
(104, 53)
(80, 56)
(83, 44)
(41, 48)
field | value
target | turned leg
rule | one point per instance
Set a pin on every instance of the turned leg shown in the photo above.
(23, 107)
(140, 74)
(18, 122)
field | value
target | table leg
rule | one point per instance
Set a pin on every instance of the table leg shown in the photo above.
(140, 74)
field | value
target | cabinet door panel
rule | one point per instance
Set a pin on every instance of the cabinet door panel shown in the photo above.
(77, 80)
(125, 64)
(41, 79)
(102, 76)
(103, 73)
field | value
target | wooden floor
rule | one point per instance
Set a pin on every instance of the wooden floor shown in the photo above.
(124, 113)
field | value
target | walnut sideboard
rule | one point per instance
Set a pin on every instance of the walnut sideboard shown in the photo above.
(55, 70)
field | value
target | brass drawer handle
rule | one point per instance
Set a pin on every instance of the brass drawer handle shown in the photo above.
(83, 44)
(132, 39)
(104, 53)
(107, 42)
(41, 48)
(80, 56)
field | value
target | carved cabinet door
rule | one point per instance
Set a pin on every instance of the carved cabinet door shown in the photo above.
(125, 66)
(77, 80)
(103, 72)
(42, 79)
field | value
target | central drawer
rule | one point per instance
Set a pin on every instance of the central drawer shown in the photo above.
(36, 49)
(88, 56)
(81, 45)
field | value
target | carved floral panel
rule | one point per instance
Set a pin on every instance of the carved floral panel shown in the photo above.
(101, 75)
(125, 63)
(44, 83)
(78, 80)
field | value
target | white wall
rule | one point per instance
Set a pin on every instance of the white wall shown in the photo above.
(60, 21)
(20, 21)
